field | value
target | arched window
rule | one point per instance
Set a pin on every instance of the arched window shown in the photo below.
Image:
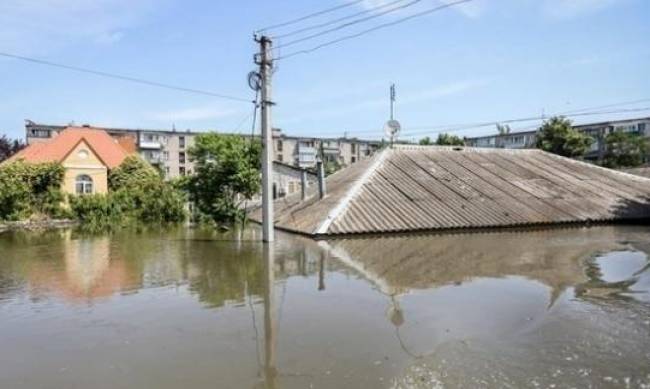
(83, 184)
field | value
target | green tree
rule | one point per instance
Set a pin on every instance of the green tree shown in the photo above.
(143, 194)
(26, 189)
(557, 135)
(9, 147)
(625, 149)
(449, 140)
(426, 141)
(132, 173)
(227, 173)
(332, 167)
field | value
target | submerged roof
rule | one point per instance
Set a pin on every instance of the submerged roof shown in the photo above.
(419, 188)
(58, 148)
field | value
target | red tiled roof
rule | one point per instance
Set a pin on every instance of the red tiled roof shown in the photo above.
(56, 150)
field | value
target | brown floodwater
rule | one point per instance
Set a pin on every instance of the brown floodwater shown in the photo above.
(186, 308)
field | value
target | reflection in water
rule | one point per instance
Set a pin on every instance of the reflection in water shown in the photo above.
(617, 275)
(183, 307)
(270, 370)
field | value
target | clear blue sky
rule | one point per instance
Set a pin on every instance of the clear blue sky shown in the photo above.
(488, 60)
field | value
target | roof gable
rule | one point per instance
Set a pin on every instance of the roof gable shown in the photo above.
(58, 149)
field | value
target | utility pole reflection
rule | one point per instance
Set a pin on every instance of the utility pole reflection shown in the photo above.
(270, 370)
(321, 271)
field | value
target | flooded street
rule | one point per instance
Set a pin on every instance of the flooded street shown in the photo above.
(198, 309)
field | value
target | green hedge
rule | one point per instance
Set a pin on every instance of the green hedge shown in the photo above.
(28, 189)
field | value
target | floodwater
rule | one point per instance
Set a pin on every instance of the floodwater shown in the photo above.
(198, 309)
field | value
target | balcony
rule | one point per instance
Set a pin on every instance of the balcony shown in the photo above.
(332, 150)
(306, 156)
(150, 145)
(154, 158)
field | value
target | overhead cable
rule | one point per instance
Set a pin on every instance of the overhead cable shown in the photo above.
(329, 23)
(124, 78)
(310, 16)
(348, 24)
(378, 27)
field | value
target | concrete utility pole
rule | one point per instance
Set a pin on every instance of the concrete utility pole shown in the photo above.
(303, 185)
(265, 61)
(322, 189)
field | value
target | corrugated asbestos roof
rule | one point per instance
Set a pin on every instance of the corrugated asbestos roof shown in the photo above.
(419, 188)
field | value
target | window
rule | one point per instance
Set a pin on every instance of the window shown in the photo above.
(354, 159)
(83, 154)
(83, 184)
(166, 155)
(181, 142)
(40, 133)
(642, 128)
(354, 147)
(279, 159)
(181, 157)
(280, 145)
(181, 170)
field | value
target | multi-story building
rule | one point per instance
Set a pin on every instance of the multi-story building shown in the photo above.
(598, 131)
(168, 149)
(514, 140)
(304, 152)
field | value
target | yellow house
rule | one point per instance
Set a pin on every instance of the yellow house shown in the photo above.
(86, 154)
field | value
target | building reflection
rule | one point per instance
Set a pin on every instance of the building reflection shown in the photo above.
(88, 269)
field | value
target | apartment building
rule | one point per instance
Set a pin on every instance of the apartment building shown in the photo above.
(598, 131)
(515, 140)
(304, 152)
(168, 149)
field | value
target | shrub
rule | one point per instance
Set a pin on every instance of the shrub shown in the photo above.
(30, 188)
(98, 211)
(137, 194)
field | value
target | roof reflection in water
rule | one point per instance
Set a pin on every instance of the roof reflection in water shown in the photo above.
(554, 257)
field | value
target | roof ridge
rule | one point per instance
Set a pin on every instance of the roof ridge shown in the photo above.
(352, 192)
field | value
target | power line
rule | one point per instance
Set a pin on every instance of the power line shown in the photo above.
(310, 16)
(124, 78)
(520, 120)
(462, 126)
(348, 24)
(451, 128)
(325, 24)
(607, 106)
(389, 24)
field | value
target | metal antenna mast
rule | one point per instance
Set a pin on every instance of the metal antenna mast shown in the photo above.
(265, 61)
(392, 126)
(392, 101)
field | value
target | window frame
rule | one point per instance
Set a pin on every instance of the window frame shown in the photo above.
(84, 184)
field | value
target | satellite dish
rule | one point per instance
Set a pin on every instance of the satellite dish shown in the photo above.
(392, 128)
(254, 81)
